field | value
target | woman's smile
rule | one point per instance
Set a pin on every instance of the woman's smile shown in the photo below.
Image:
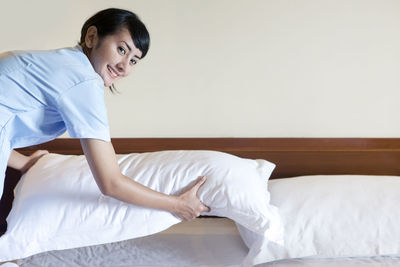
(114, 56)
(112, 72)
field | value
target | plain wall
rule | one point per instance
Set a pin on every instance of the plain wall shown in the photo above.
(229, 68)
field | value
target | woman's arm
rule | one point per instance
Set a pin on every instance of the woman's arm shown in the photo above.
(104, 166)
(23, 163)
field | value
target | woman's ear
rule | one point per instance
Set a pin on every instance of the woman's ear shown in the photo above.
(91, 37)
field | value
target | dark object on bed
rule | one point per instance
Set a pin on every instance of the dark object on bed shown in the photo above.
(12, 178)
(293, 156)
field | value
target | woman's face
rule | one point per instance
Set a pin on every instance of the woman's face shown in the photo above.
(114, 56)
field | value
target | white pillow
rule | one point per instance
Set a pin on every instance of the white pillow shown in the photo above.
(331, 216)
(59, 206)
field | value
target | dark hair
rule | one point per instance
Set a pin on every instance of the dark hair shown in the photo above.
(109, 21)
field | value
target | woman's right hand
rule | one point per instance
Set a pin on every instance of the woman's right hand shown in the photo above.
(189, 205)
(31, 160)
(23, 163)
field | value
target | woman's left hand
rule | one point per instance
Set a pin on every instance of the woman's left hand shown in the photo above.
(190, 205)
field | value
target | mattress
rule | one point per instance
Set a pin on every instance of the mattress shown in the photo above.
(202, 242)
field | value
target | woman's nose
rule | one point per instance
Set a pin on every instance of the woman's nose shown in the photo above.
(123, 67)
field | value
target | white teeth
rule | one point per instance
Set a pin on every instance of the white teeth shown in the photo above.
(112, 72)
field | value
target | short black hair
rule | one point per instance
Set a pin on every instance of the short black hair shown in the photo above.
(111, 20)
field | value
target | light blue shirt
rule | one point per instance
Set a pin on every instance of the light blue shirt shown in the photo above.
(45, 93)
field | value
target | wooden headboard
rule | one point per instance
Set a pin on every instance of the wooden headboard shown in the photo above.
(293, 156)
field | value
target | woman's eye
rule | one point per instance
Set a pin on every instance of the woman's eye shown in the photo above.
(133, 61)
(122, 50)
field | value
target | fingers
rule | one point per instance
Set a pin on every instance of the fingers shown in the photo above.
(193, 206)
(191, 214)
(39, 153)
(199, 183)
(206, 209)
(35, 156)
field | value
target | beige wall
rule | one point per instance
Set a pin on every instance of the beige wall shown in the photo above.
(229, 68)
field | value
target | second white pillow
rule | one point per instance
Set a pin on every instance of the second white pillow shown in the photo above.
(331, 216)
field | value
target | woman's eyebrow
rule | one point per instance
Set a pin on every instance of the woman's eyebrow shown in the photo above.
(127, 45)
(130, 49)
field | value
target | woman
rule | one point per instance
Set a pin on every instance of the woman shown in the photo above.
(42, 94)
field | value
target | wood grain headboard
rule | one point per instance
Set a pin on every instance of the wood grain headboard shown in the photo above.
(293, 156)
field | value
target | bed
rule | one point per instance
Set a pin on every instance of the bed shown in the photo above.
(301, 163)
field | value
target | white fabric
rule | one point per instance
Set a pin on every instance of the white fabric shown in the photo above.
(205, 242)
(9, 264)
(58, 205)
(201, 242)
(332, 216)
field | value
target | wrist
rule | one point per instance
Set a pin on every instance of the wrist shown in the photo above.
(174, 204)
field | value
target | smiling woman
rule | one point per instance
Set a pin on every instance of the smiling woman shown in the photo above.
(113, 57)
(49, 92)
(114, 40)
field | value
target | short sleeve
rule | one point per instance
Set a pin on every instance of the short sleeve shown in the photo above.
(83, 110)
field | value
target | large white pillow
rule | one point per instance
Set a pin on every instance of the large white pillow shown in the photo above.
(59, 206)
(331, 216)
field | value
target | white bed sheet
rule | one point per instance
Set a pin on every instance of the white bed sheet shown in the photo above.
(201, 242)
(207, 242)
